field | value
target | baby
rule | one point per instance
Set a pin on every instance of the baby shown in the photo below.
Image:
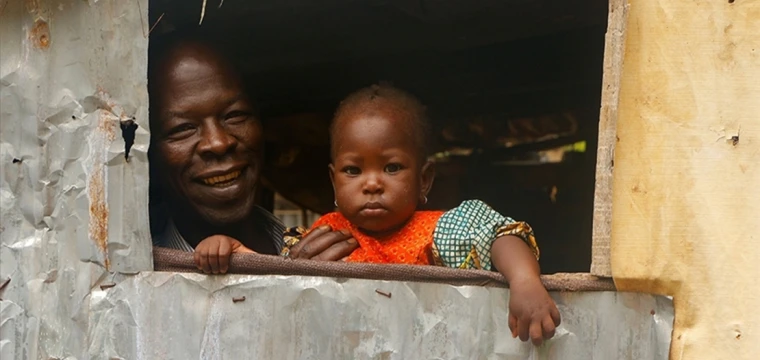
(380, 174)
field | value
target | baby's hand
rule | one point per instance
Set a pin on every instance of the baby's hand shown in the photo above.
(532, 312)
(212, 255)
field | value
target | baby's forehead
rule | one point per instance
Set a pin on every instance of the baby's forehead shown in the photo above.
(374, 126)
(397, 118)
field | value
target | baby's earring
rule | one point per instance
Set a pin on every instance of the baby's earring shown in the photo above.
(335, 202)
(424, 200)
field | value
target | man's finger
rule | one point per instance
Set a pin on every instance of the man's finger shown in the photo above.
(316, 246)
(338, 250)
(314, 234)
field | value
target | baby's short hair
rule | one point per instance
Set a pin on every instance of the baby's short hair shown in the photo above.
(368, 97)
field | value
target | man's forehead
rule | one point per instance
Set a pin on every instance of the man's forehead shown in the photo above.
(189, 80)
(189, 56)
(186, 106)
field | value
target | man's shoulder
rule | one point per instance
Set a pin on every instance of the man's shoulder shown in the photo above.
(272, 226)
(265, 216)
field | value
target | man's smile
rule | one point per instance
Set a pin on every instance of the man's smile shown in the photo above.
(222, 180)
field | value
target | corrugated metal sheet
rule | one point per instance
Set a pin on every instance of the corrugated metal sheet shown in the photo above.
(71, 203)
(74, 220)
(179, 316)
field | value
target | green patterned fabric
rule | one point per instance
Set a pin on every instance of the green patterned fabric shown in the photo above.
(471, 225)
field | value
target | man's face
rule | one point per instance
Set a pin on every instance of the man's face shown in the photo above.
(209, 143)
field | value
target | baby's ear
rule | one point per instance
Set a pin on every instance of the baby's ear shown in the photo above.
(331, 171)
(427, 175)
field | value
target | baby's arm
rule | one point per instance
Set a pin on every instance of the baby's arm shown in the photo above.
(473, 235)
(532, 312)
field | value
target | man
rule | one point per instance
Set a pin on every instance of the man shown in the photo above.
(206, 151)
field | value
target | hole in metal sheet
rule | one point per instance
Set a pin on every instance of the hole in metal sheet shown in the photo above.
(128, 129)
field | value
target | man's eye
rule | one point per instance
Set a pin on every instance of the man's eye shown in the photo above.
(236, 116)
(352, 170)
(180, 131)
(393, 168)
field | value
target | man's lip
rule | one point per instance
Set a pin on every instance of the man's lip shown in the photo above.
(218, 172)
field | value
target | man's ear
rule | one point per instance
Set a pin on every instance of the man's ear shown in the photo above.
(427, 175)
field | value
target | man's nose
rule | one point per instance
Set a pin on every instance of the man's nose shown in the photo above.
(373, 184)
(215, 140)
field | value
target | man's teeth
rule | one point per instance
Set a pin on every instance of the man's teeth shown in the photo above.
(217, 180)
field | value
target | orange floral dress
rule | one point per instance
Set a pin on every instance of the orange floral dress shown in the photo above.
(461, 237)
(412, 244)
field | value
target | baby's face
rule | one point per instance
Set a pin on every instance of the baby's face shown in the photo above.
(376, 171)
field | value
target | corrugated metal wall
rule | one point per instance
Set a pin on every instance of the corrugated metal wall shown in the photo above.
(75, 221)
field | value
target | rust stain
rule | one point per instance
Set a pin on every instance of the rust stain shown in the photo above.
(97, 194)
(40, 34)
(99, 211)
(106, 128)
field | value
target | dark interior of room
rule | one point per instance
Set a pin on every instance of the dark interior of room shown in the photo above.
(513, 87)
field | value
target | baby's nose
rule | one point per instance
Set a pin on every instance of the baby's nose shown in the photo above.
(373, 185)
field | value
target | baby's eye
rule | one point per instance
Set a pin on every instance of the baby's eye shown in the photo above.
(393, 168)
(352, 170)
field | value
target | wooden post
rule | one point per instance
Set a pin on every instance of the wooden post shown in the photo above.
(686, 182)
(614, 48)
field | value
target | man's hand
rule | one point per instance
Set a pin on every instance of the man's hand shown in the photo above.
(324, 244)
(212, 255)
(532, 312)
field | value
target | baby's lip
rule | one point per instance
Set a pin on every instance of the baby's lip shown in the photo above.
(373, 205)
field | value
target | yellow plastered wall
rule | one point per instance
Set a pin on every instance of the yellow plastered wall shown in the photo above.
(686, 186)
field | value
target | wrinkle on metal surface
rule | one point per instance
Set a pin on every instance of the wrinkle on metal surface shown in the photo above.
(70, 205)
(301, 317)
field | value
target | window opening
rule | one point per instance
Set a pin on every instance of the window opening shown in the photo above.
(513, 89)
